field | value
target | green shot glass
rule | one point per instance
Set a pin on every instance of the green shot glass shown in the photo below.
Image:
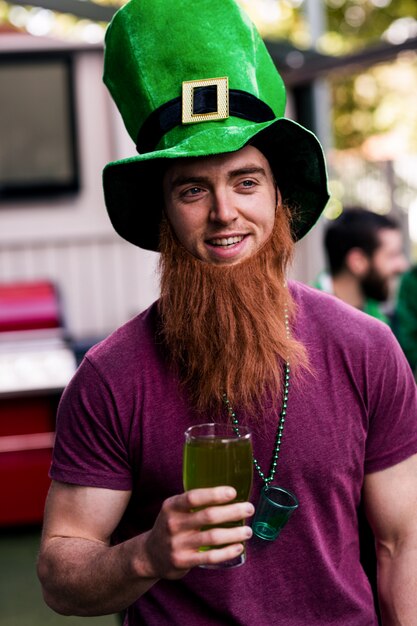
(275, 507)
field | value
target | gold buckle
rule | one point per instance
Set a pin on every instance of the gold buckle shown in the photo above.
(222, 112)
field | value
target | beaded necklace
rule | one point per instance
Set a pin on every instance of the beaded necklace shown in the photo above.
(280, 430)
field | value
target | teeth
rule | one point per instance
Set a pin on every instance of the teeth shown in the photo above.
(226, 241)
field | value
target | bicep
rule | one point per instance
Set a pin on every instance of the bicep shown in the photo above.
(390, 498)
(82, 512)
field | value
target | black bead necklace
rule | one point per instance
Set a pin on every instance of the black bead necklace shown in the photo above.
(281, 422)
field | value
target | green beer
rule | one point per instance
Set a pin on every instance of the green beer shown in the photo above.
(210, 461)
(215, 455)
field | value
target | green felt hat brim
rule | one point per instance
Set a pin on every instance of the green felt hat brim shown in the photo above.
(133, 186)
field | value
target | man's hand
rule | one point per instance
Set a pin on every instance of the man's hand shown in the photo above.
(173, 545)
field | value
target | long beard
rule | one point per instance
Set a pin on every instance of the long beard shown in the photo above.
(224, 327)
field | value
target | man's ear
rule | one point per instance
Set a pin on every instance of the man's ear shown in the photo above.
(357, 262)
(278, 198)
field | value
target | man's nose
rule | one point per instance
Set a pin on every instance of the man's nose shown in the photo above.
(222, 209)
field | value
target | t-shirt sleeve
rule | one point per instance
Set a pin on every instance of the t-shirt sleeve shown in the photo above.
(392, 434)
(90, 447)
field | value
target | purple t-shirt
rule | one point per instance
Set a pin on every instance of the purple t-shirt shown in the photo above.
(121, 423)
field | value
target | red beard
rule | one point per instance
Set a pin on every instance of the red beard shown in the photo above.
(224, 327)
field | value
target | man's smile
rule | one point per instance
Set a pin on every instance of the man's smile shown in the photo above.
(225, 241)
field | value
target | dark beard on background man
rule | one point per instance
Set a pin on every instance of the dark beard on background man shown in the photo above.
(224, 327)
(375, 287)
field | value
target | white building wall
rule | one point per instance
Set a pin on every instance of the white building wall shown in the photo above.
(103, 280)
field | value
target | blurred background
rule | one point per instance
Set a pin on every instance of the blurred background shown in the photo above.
(67, 280)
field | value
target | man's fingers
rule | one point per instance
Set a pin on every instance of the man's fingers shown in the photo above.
(189, 559)
(211, 516)
(196, 498)
(222, 536)
(211, 557)
(215, 515)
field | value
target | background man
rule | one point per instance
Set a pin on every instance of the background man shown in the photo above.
(365, 257)
(223, 187)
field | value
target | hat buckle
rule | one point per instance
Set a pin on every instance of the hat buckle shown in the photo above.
(189, 90)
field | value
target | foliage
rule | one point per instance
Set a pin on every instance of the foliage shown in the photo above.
(358, 23)
(378, 101)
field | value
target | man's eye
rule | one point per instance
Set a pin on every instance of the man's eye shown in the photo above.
(192, 191)
(248, 183)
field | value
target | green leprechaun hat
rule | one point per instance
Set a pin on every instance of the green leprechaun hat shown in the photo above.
(195, 79)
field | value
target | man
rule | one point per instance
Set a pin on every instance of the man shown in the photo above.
(325, 390)
(365, 257)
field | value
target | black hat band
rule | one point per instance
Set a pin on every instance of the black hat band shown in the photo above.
(241, 104)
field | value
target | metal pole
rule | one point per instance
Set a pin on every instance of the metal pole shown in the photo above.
(315, 13)
(310, 252)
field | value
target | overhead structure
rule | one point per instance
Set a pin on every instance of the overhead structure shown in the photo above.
(81, 8)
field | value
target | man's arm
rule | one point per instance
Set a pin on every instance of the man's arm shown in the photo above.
(390, 498)
(82, 574)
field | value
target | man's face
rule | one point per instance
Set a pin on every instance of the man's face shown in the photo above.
(221, 208)
(386, 264)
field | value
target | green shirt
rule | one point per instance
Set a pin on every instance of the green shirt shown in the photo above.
(406, 311)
